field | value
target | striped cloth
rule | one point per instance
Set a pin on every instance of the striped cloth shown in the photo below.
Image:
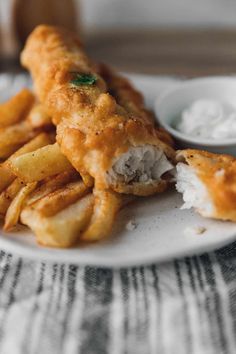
(182, 307)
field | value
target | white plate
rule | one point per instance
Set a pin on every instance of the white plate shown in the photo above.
(163, 230)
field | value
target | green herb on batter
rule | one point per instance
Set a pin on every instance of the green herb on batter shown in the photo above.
(83, 79)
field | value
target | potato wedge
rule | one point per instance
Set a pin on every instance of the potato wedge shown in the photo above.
(6, 174)
(38, 117)
(63, 229)
(13, 137)
(42, 139)
(14, 210)
(16, 108)
(9, 194)
(54, 202)
(107, 204)
(40, 164)
(51, 185)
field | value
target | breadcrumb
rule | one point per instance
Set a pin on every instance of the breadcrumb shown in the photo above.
(195, 230)
(131, 225)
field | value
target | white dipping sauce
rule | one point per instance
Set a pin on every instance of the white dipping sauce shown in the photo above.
(207, 118)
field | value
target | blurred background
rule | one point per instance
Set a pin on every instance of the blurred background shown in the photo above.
(167, 37)
(156, 13)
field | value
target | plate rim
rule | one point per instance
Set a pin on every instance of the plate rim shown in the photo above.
(44, 255)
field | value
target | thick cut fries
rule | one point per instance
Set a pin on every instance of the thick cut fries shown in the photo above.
(14, 110)
(62, 229)
(54, 202)
(14, 210)
(6, 174)
(51, 184)
(39, 141)
(9, 194)
(107, 205)
(13, 137)
(40, 164)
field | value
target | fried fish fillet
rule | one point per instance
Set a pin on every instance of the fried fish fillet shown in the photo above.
(208, 183)
(129, 98)
(111, 140)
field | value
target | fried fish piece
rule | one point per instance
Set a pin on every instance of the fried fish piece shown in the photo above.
(112, 140)
(129, 98)
(208, 183)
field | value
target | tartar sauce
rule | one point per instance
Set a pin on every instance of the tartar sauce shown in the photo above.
(207, 118)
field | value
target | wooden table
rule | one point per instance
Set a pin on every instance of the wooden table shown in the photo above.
(163, 52)
(166, 52)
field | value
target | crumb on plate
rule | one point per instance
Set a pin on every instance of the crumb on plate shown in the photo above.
(131, 225)
(195, 230)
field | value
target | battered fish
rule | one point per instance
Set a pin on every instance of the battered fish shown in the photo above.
(111, 141)
(208, 183)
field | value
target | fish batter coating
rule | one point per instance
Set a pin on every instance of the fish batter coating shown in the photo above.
(129, 98)
(95, 129)
(208, 183)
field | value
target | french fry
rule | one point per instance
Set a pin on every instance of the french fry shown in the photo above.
(88, 180)
(14, 210)
(40, 164)
(42, 139)
(107, 204)
(9, 194)
(54, 202)
(15, 109)
(6, 174)
(52, 184)
(7, 150)
(38, 117)
(63, 229)
(13, 137)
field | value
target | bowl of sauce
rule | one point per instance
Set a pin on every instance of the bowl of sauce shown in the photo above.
(201, 114)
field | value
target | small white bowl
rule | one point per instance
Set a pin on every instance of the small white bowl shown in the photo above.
(171, 103)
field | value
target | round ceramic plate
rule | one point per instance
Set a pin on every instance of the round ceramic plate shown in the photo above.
(161, 231)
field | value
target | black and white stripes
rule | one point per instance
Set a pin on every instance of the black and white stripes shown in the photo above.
(185, 306)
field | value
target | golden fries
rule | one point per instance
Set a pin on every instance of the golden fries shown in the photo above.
(107, 204)
(40, 164)
(9, 194)
(62, 229)
(15, 109)
(6, 174)
(61, 198)
(14, 210)
(37, 178)
(39, 141)
(13, 137)
(52, 184)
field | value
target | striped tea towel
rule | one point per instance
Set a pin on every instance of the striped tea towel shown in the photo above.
(186, 306)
